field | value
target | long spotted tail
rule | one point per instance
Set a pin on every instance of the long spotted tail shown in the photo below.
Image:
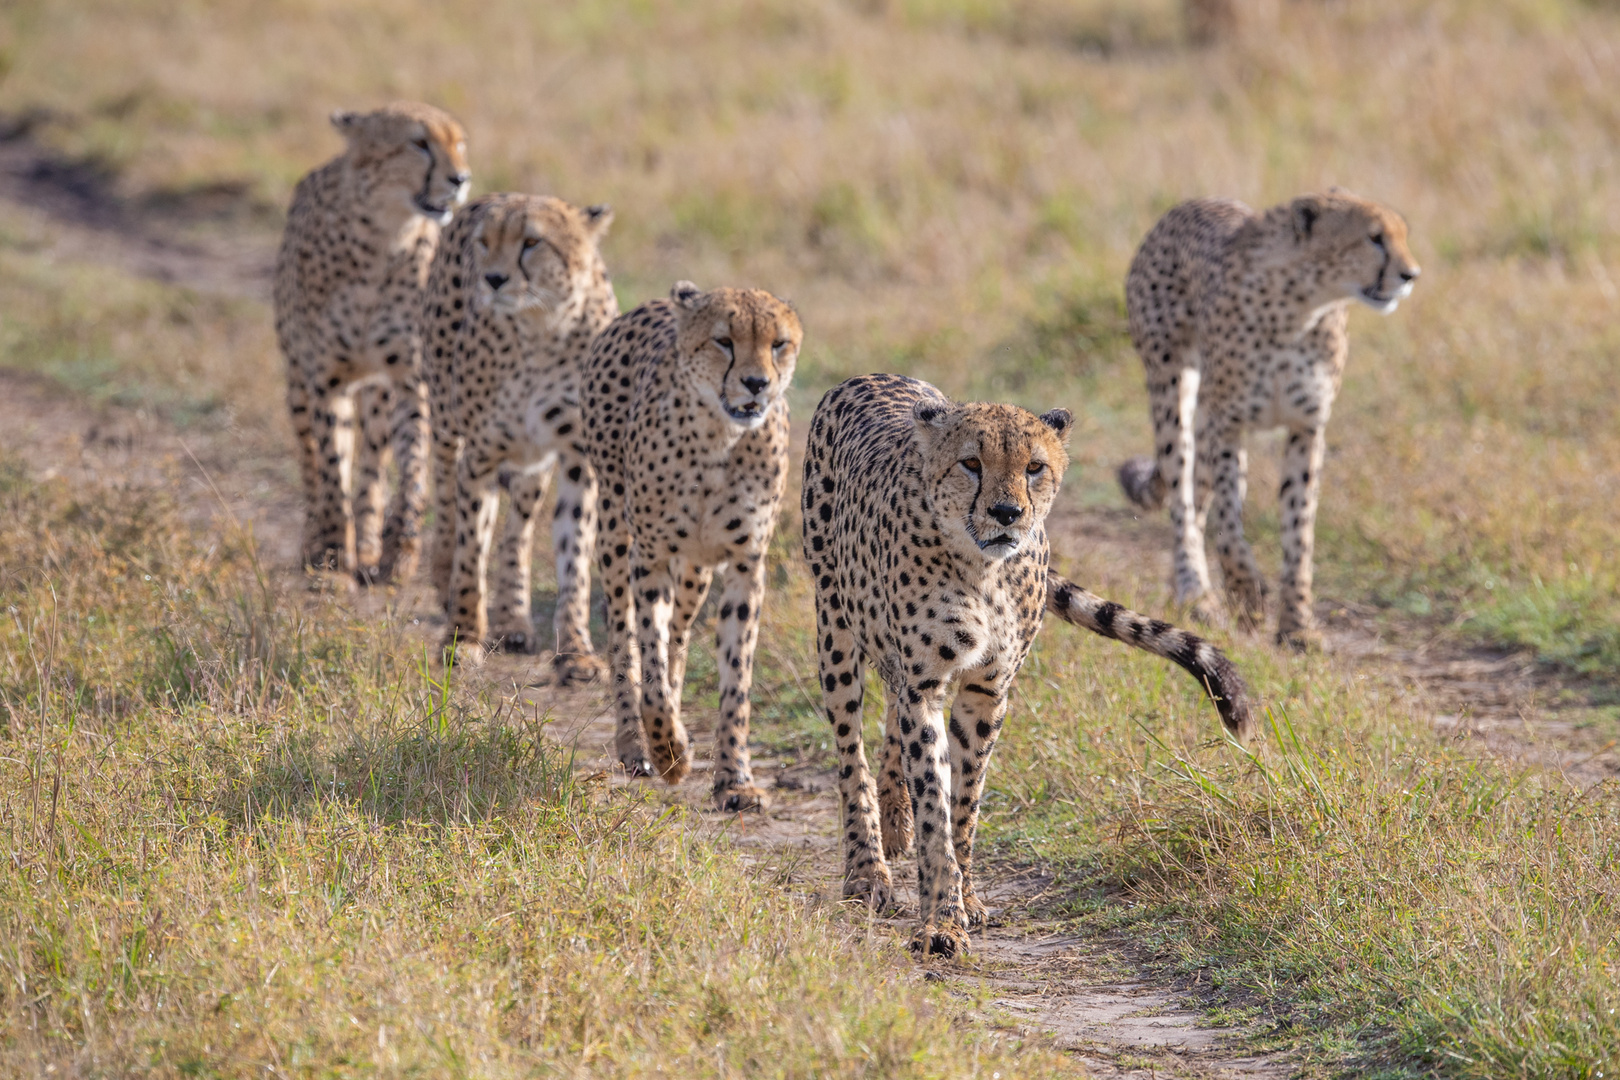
(1218, 675)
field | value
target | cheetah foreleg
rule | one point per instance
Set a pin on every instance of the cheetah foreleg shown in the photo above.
(894, 796)
(660, 703)
(943, 921)
(477, 502)
(573, 544)
(412, 437)
(976, 718)
(510, 622)
(736, 635)
(1301, 490)
(374, 407)
(624, 650)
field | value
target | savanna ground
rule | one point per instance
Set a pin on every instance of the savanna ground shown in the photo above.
(251, 829)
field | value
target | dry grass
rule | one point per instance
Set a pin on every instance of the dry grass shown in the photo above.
(950, 188)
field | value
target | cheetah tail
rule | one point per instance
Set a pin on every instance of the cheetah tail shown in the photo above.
(1139, 479)
(1218, 675)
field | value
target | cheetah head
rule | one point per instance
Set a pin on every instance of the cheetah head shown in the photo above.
(535, 252)
(1359, 247)
(991, 472)
(738, 346)
(408, 155)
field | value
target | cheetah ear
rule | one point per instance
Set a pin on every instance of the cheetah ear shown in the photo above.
(347, 122)
(1061, 421)
(1306, 209)
(685, 295)
(597, 220)
(931, 419)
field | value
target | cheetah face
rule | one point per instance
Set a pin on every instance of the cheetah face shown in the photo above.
(536, 253)
(991, 472)
(408, 155)
(1360, 245)
(738, 346)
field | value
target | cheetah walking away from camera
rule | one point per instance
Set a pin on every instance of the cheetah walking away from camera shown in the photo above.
(687, 424)
(517, 291)
(360, 233)
(1240, 321)
(924, 531)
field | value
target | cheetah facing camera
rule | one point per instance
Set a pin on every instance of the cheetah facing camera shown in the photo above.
(924, 530)
(517, 291)
(360, 233)
(1240, 321)
(688, 430)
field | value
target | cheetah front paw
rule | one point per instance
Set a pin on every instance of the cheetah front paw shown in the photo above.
(672, 757)
(977, 914)
(873, 888)
(636, 765)
(948, 941)
(517, 641)
(461, 651)
(577, 669)
(1301, 639)
(740, 797)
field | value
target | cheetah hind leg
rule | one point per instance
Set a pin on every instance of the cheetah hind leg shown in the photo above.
(894, 800)
(577, 669)
(739, 798)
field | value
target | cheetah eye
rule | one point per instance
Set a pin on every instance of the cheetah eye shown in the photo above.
(1377, 240)
(724, 343)
(1034, 467)
(971, 464)
(530, 242)
(778, 346)
(422, 145)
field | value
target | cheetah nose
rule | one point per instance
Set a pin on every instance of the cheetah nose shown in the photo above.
(1006, 513)
(1411, 275)
(496, 280)
(755, 384)
(460, 178)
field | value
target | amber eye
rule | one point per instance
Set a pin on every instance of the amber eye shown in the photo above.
(778, 346)
(1377, 240)
(530, 242)
(422, 145)
(971, 465)
(724, 343)
(1034, 467)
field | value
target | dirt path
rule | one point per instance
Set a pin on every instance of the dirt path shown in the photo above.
(1025, 973)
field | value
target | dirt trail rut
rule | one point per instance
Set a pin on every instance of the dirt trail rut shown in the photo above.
(1025, 974)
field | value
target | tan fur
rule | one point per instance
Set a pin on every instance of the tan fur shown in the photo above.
(688, 430)
(360, 233)
(1240, 321)
(517, 292)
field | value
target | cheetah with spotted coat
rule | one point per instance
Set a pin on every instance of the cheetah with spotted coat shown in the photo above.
(360, 233)
(687, 424)
(924, 531)
(517, 292)
(1240, 321)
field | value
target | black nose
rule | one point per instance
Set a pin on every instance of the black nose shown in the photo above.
(1410, 275)
(755, 384)
(496, 280)
(1006, 513)
(460, 178)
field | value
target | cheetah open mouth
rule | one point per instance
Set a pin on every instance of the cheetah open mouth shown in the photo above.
(1000, 544)
(441, 211)
(745, 413)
